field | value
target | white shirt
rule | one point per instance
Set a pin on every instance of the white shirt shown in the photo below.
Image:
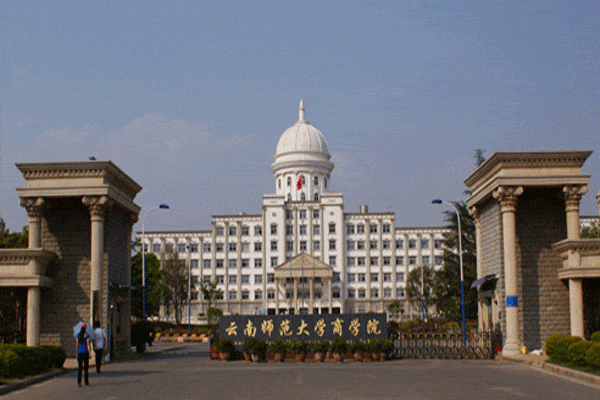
(100, 335)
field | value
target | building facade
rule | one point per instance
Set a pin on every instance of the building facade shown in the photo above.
(303, 253)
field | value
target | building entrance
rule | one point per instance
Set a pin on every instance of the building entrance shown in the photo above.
(13, 315)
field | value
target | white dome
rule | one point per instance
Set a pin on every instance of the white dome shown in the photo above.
(302, 137)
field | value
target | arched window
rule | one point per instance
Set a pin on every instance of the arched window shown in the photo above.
(316, 196)
(289, 197)
(279, 183)
(303, 197)
(303, 180)
(289, 181)
(316, 181)
(325, 183)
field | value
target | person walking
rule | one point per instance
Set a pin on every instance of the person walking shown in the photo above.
(83, 354)
(99, 341)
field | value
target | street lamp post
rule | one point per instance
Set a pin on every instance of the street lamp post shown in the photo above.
(460, 255)
(161, 206)
(189, 289)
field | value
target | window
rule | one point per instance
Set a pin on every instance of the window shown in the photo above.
(232, 263)
(206, 264)
(373, 245)
(245, 231)
(194, 247)
(289, 181)
(273, 245)
(336, 277)
(270, 278)
(387, 260)
(316, 229)
(424, 243)
(349, 229)
(360, 261)
(350, 277)
(181, 248)
(387, 276)
(232, 279)
(302, 230)
(316, 197)
(270, 294)
(193, 264)
(273, 229)
(399, 260)
(332, 260)
(232, 230)
(258, 263)
(219, 278)
(232, 246)
(387, 293)
(289, 229)
(360, 228)
(412, 260)
(335, 293)
(245, 278)
(360, 245)
(400, 277)
(332, 227)
(258, 295)
(316, 213)
(289, 245)
(399, 244)
(350, 245)
(302, 245)
(374, 293)
(399, 292)
(385, 228)
(325, 182)
(245, 294)
(386, 244)
(350, 261)
(374, 277)
(245, 263)
(362, 293)
(232, 295)
(258, 278)
(425, 260)
(279, 183)
(302, 196)
(316, 180)
(372, 228)
(316, 245)
(206, 279)
(361, 277)
(206, 247)
(289, 214)
(351, 293)
(412, 244)
(257, 230)
(332, 244)
(219, 264)
(374, 261)
(274, 262)
(219, 247)
(156, 248)
(437, 244)
(438, 260)
(219, 231)
(257, 246)
(302, 214)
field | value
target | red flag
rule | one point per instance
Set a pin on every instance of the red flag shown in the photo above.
(300, 183)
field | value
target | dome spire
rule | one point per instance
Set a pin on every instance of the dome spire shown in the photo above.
(301, 111)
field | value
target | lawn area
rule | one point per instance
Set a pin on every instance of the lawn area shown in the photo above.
(582, 368)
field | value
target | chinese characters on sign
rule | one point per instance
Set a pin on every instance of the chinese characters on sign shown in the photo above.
(305, 327)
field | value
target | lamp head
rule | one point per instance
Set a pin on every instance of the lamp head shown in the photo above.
(436, 201)
(163, 206)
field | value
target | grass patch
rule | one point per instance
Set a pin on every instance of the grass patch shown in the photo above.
(582, 368)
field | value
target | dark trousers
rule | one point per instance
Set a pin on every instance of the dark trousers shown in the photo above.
(83, 363)
(99, 353)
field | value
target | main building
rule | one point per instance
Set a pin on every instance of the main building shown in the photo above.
(303, 253)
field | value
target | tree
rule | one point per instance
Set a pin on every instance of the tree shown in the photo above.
(591, 232)
(14, 240)
(446, 285)
(153, 285)
(413, 288)
(395, 309)
(210, 291)
(174, 283)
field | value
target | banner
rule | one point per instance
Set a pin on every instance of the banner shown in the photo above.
(303, 327)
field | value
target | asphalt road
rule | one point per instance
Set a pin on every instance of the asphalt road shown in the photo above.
(188, 373)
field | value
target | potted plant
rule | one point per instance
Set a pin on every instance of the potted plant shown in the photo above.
(279, 348)
(247, 348)
(374, 349)
(300, 348)
(339, 348)
(320, 348)
(225, 347)
(358, 348)
(387, 346)
(259, 350)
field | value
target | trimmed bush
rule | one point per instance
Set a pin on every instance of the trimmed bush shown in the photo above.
(592, 355)
(339, 345)
(577, 351)
(557, 346)
(19, 360)
(321, 347)
(280, 346)
(595, 336)
(300, 346)
(10, 363)
(225, 345)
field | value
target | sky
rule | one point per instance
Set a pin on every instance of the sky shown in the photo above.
(190, 98)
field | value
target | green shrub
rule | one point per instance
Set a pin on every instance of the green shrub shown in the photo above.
(225, 345)
(595, 336)
(577, 351)
(592, 355)
(255, 346)
(280, 346)
(10, 363)
(321, 347)
(19, 360)
(55, 355)
(300, 346)
(557, 346)
(339, 345)
(358, 347)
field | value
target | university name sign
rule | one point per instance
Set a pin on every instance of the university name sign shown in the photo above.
(303, 327)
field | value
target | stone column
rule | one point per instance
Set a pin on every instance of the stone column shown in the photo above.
(34, 207)
(507, 196)
(573, 195)
(296, 310)
(330, 290)
(276, 296)
(97, 206)
(598, 201)
(311, 289)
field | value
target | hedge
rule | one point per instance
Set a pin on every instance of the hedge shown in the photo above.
(557, 346)
(595, 336)
(592, 355)
(576, 352)
(19, 360)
